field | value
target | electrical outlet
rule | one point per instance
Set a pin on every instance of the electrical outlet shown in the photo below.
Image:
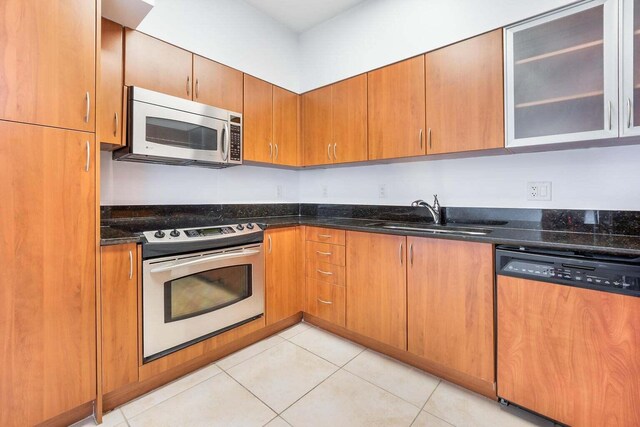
(325, 191)
(539, 191)
(382, 191)
(278, 191)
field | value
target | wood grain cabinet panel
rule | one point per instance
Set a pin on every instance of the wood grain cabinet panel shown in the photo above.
(110, 94)
(48, 252)
(377, 287)
(326, 235)
(450, 304)
(465, 95)
(47, 62)
(156, 65)
(349, 119)
(216, 84)
(317, 127)
(325, 272)
(258, 120)
(396, 108)
(326, 301)
(325, 252)
(284, 290)
(285, 127)
(119, 290)
(568, 353)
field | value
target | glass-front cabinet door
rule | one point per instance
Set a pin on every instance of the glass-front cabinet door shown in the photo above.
(630, 65)
(562, 76)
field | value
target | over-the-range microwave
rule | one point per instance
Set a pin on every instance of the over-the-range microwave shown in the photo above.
(170, 130)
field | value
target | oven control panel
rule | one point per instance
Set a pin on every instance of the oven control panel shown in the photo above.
(177, 235)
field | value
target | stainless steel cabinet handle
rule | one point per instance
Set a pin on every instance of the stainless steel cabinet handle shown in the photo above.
(429, 137)
(276, 158)
(411, 254)
(629, 108)
(88, 163)
(325, 236)
(188, 85)
(270, 150)
(421, 143)
(324, 302)
(88, 112)
(270, 243)
(130, 265)
(328, 273)
(324, 253)
(335, 155)
(197, 88)
(610, 107)
(115, 124)
(329, 151)
(401, 254)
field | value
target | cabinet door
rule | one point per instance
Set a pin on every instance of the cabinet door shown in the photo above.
(284, 279)
(285, 127)
(580, 344)
(258, 120)
(47, 71)
(465, 95)
(216, 84)
(377, 287)
(349, 119)
(396, 108)
(630, 64)
(316, 127)
(450, 311)
(119, 290)
(155, 65)
(48, 252)
(109, 120)
(562, 76)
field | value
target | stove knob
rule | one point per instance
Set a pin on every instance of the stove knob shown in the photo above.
(174, 233)
(240, 227)
(250, 226)
(159, 234)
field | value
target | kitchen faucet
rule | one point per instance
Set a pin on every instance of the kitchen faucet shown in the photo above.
(433, 210)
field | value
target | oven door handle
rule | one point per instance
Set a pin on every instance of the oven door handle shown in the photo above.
(162, 269)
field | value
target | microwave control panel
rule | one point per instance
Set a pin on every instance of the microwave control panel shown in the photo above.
(235, 143)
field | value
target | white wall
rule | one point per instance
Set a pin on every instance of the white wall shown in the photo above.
(127, 183)
(230, 32)
(380, 32)
(596, 178)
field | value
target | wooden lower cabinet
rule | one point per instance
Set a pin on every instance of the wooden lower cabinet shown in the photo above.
(450, 304)
(568, 353)
(326, 301)
(119, 297)
(47, 279)
(377, 287)
(284, 280)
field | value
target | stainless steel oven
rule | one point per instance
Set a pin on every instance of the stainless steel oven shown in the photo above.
(171, 130)
(190, 296)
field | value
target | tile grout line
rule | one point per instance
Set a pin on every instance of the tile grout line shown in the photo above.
(257, 354)
(425, 404)
(250, 392)
(300, 398)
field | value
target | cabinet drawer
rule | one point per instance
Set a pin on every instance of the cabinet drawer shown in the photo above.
(326, 301)
(323, 252)
(325, 272)
(325, 235)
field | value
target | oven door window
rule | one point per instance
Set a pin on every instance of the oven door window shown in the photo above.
(206, 291)
(179, 134)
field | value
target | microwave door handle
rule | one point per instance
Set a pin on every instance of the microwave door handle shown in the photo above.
(162, 269)
(225, 143)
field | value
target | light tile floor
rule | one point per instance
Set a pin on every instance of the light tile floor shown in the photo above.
(305, 376)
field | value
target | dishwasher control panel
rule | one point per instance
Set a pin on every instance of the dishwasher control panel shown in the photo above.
(593, 273)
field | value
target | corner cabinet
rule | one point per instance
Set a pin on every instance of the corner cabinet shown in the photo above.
(561, 75)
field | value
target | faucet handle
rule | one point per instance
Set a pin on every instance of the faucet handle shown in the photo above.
(436, 203)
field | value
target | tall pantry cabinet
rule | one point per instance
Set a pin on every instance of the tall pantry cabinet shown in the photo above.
(48, 245)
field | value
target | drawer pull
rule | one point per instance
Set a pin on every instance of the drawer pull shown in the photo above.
(324, 302)
(328, 273)
(325, 236)
(324, 253)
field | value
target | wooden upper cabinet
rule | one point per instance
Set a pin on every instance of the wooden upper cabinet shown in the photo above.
(110, 94)
(284, 281)
(465, 95)
(450, 305)
(317, 127)
(258, 120)
(119, 287)
(216, 84)
(155, 65)
(285, 127)
(581, 344)
(377, 287)
(47, 71)
(48, 252)
(396, 107)
(349, 119)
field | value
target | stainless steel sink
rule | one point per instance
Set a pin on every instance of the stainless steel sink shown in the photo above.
(430, 228)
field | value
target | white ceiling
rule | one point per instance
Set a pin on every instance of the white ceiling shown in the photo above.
(300, 15)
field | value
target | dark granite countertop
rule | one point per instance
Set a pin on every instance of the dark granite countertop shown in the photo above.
(514, 232)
